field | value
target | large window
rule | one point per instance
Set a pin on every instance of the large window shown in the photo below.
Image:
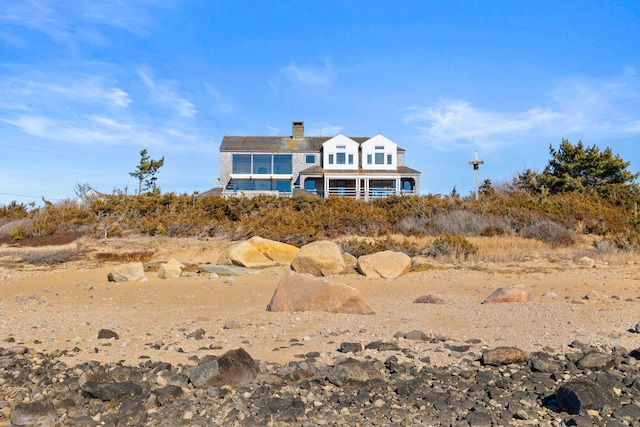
(282, 186)
(310, 159)
(282, 164)
(242, 163)
(379, 158)
(262, 164)
(340, 158)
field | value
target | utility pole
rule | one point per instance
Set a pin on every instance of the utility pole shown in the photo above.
(476, 165)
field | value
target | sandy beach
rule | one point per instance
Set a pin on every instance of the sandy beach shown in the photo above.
(64, 308)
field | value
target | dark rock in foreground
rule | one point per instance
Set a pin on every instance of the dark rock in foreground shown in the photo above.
(398, 390)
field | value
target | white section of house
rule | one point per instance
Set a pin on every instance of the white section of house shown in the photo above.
(340, 153)
(379, 153)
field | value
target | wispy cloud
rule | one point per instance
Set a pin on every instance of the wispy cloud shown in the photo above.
(309, 75)
(89, 110)
(75, 23)
(164, 92)
(587, 108)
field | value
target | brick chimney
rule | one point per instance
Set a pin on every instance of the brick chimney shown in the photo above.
(298, 130)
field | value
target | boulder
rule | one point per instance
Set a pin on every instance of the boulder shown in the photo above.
(304, 292)
(235, 367)
(353, 370)
(503, 356)
(131, 272)
(171, 269)
(281, 253)
(597, 361)
(385, 264)
(258, 252)
(513, 293)
(225, 270)
(246, 255)
(583, 394)
(321, 258)
(429, 299)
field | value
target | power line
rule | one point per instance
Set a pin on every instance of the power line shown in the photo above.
(29, 197)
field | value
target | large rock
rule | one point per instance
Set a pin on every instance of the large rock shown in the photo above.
(321, 258)
(246, 255)
(503, 356)
(513, 293)
(235, 367)
(385, 264)
(279, 252)
(582, 394)
(304, 292)
(258, 252)
(171, 269)
(225, 270)
(131, 272)
(352, 370)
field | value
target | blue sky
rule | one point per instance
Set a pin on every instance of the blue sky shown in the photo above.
(84, 86)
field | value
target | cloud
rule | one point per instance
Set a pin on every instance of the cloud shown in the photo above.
(164, 92)
(585, 108)
(308, 75)
(75, 23)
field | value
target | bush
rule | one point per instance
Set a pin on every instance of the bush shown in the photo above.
(550, 232)
(49, 257)
(451, 245)
(359, 247)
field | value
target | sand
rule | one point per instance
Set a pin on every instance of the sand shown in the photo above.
(64, 308)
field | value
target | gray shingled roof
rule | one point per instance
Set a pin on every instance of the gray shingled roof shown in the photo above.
(278, 144)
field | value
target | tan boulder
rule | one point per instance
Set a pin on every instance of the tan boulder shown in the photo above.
(321, 258)
(503, 356)
(131, 272)
(171, 269)
(512, 293)
(282, 253)
(386, 264)
(245, 254)
(258, 252)
(304, 292)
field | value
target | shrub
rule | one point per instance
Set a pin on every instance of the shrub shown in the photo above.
(451, 245)
(358, 246)
(49, 257)
(550, 232)
(18, 233)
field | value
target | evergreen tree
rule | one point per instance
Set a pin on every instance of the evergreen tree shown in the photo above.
(145, 172)
(587, 169)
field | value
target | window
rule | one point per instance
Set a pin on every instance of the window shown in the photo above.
(350, 159)
(379, 158)
(262, 164)
(310, 185)
(262, 184)
(243, 185)
(282, 164)
(341, 147)
(330, 159)
(241, 163)
(389, 159)
(369, 159)
(282, 186)
(310, 159)
(379, 147)
(340, 158)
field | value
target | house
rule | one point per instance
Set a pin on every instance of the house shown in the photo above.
(358, 167)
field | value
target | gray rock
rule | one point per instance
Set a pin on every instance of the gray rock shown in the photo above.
(111, 390)
(597, 361)
(131, 272)
(105, 334)
(579, 395)
(226, 270)
(31, 414)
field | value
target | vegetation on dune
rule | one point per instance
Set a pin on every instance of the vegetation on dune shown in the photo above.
(583, 191)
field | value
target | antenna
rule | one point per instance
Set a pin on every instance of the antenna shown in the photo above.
(476, 165)
(320, 130)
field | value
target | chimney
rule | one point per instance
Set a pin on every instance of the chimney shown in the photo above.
(298, 130)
